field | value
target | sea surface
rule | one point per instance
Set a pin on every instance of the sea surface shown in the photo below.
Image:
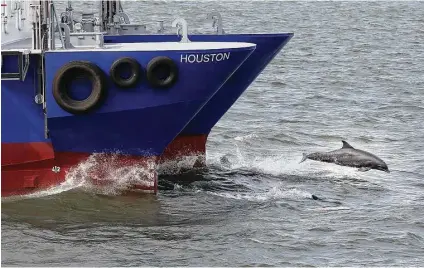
(353, 71)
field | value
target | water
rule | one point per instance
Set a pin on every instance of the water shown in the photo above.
(353, 71)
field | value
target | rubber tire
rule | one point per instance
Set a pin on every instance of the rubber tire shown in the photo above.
(66, 74)
(135, 69)
(157, 83)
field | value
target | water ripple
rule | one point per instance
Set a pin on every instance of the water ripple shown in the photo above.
(353, 70)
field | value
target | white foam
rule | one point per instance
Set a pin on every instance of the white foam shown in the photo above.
(275, 193)
(284, 163)
(329, 208)
(117, 178)
(246, 137)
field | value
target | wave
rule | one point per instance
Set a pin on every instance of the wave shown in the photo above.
(275, 193)
(115, 178)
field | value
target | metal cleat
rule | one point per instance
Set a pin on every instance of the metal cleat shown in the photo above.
(161, 27)
(182, 29)
(217, 21)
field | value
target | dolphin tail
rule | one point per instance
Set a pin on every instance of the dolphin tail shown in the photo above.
(305, 156)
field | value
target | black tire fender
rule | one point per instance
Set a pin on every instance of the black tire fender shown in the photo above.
(154, 67)
(135, 72)
(66, 74)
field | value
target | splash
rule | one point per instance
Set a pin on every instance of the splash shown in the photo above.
(246, 137)
(180, 164)
(75, 178)
(68, 185)
(111, 175)
(101, 174)
(275, 193)
(274, 169)
(278, 164)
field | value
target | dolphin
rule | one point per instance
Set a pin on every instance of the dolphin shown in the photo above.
(349, 156)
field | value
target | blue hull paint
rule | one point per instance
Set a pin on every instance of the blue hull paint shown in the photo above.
(138, 132)
(22, 120)
(140, 121)
(268, 46)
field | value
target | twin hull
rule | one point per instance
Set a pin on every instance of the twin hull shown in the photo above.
(136, 122)
(192, 139)
(143, 124)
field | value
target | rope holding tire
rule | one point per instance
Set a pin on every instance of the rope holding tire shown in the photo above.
(159, 67)
(66, 74)
(118, 66)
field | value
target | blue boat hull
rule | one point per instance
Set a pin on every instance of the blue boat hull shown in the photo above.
(137, 122)
(192, 140)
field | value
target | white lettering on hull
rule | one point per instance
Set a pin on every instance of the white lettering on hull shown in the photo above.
(204, 58)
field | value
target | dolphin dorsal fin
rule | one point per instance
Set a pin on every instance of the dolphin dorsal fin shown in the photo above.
(346, 145)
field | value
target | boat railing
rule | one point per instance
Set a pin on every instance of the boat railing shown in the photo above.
(99, 36)
(47, 24)
(44, 20)
(114, 20)
(10, 9)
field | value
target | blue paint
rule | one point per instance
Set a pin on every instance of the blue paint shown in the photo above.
(139, 121)
(22, 120)
(146, 131)
(132, 120)
(80, 88)
(268, 46)
(10, 64)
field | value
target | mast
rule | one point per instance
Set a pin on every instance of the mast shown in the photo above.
(45, 19)
(70, 12)
(108, 9)
(40, 24)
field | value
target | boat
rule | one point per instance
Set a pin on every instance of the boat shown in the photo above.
(64, 101)
(191, 142)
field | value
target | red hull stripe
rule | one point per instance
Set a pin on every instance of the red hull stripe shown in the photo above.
(184, 146)
(21, 153)
(27, 167)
